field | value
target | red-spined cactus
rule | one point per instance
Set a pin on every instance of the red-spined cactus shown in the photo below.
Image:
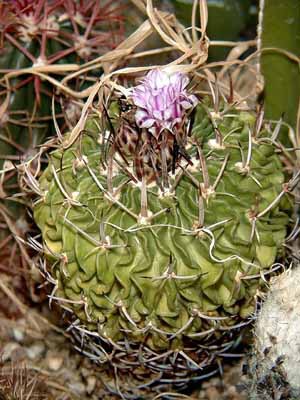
(49, 35)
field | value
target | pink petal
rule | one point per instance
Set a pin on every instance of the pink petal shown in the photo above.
(168, 114)
(193, 99)
(179, 81)
(148, 123)
(141, 116)
(186, 104)
(162, 99)
(157, 114)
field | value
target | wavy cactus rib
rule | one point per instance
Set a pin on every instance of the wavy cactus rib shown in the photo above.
(157, 267)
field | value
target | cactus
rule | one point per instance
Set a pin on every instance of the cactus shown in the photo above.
(43, 34)
(161, 220)
(47, 32)
(229, 20)
(274, 365)
(279, 42)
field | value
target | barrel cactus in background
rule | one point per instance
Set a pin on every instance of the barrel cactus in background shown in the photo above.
(43, 34)
(229, 20)
(160, 222)
(279, 43)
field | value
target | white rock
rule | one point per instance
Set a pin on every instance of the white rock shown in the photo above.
(54, 361)
(35, 351)
(18, 334)
(77, 387)
(8, 350)
(91, 384)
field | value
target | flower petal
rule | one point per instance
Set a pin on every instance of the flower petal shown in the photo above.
(162, 100)
(141, 116)
(148, 123)
(186, 104)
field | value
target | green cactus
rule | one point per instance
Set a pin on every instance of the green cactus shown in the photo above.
(165, 267)
(280, 33)
(229, 20)
(45, 33)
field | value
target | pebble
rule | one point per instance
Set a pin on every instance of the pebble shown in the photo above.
(8, 351)
(232, 391)
(91, 384)
(35, 351)
(77, 387)
(18, 334)
(54, 361)
(212, 393)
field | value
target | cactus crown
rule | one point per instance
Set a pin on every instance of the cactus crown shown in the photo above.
(153, 124)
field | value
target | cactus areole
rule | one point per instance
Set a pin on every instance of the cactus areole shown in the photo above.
(161, 220)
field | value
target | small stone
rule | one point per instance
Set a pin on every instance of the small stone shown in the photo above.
(35, 351)
(85, 372)
(212, 393)
(54, 361)
(232, 391)
(77, 387)
(8, 351)
(91, 384)
(18, 334)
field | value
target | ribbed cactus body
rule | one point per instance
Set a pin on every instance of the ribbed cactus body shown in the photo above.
(22, 121)
(190, 263)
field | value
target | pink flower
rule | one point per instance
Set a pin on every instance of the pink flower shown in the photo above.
(162, 101)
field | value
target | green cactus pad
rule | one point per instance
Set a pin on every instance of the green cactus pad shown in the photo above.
(194, 264)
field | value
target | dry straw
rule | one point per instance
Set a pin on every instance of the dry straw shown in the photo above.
(187, 45)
